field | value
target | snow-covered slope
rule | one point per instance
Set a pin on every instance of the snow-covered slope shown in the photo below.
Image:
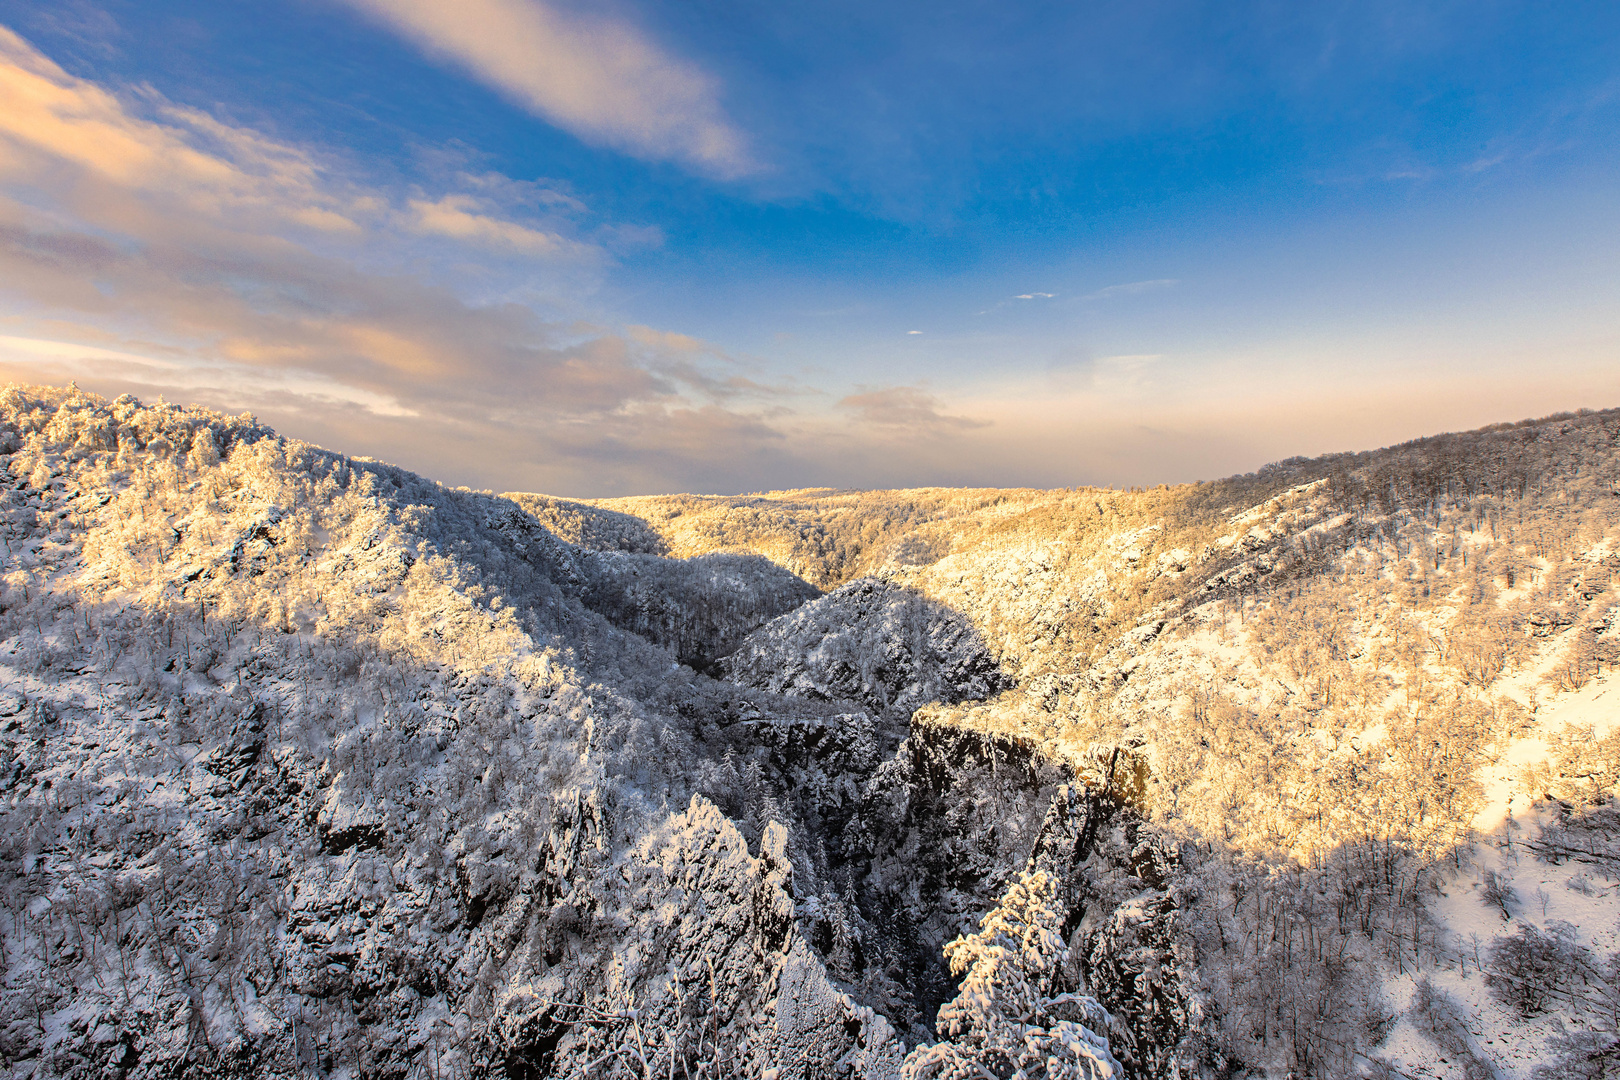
(872, 642)
(309, 764)
(313, 765)
(1345, 675)
(591, 527)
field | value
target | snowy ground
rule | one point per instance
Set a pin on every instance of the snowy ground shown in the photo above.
(1576, 894)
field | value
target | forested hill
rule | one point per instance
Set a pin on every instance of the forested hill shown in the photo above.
(1407, 646)
(829, 536)
(312, 765)
(1093, 565)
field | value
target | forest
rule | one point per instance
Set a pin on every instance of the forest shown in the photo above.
(309, 764)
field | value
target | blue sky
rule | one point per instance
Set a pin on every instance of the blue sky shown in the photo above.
(630, 247)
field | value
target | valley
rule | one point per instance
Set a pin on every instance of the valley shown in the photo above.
(310, 765)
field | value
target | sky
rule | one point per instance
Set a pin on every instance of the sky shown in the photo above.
(626, 247)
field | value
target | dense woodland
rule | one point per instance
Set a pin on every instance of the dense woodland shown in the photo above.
(308, 763)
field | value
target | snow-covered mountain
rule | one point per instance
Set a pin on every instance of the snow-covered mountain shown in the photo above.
(311, 765)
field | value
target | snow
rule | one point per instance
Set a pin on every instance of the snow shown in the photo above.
(313, 764)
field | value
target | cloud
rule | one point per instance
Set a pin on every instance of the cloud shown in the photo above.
(597, 77)
(465, 217)
(999, 304)
(506, 191)
(668, 341)
(1123, 374)
(1075, 368)
(1133, 288)
(56, 130)
(913, 331)
(1484, 163)
(146, 246)
(68, 361)
(701, 367)
(905, 408)
(626, 237)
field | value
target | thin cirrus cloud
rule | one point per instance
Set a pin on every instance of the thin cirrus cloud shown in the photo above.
(701, 367)
(466, 218)
(1133, 288)
(597, 77)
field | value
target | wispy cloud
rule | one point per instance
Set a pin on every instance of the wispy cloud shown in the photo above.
(1483, 164)
(468, 219)
(702, 368)
(1134, 288)
(906, 408)
(595, 76)
(1123, 374)
(65, 361)
(999, 304)
(1075, 368)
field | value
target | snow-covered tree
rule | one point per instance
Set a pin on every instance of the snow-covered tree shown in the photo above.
(1009, 1020)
